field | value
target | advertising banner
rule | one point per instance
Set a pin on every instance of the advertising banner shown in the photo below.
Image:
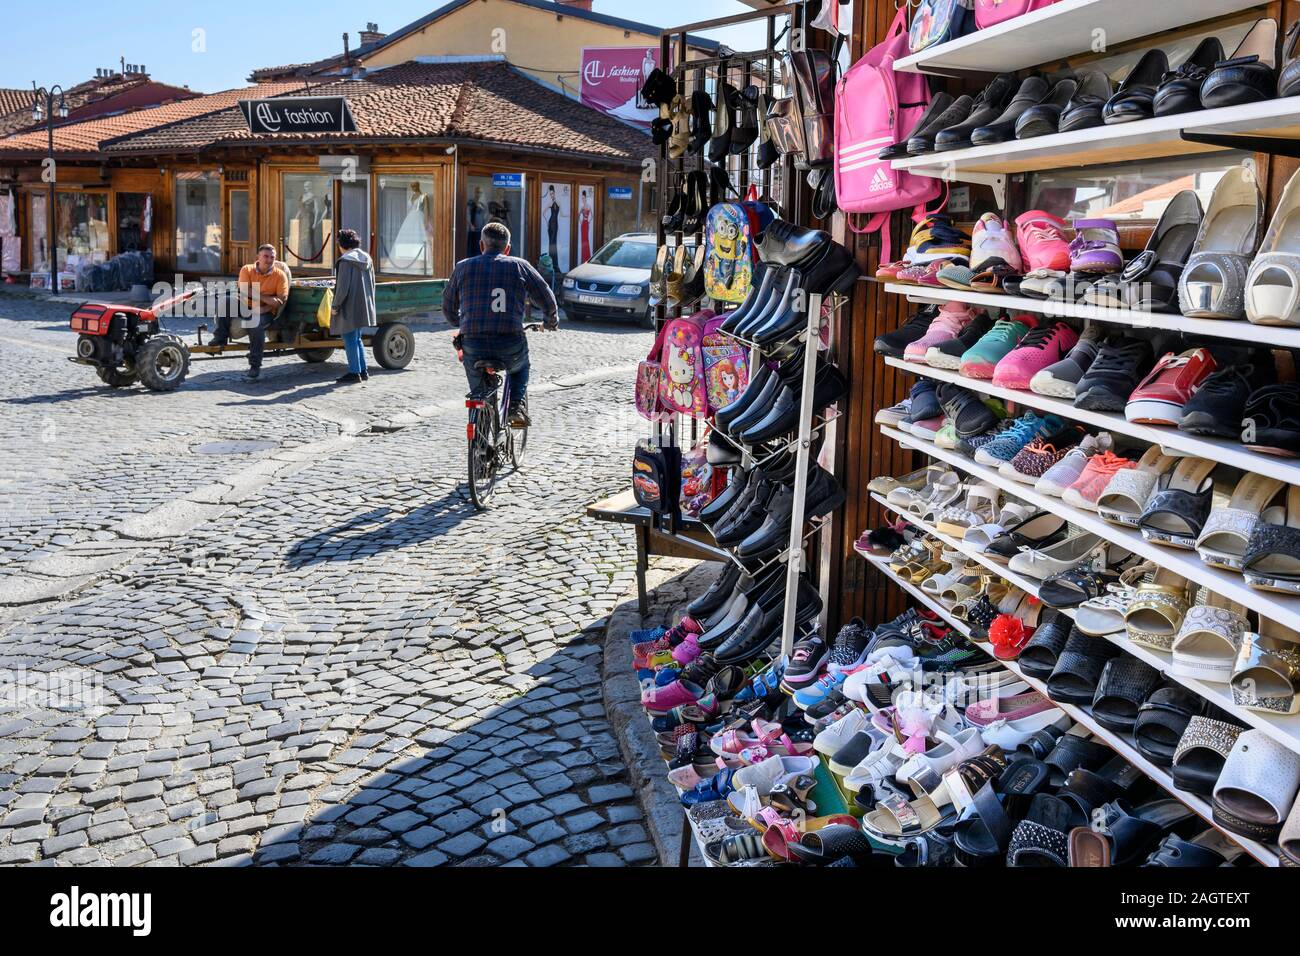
(612, 78)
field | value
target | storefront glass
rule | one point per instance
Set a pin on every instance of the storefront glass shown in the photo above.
(198, 221)
(308, 223)
(134, 221)
(405, 208)
(586, 218)
(38, 226)
(621, 204)
(496, 198)
(239, 231)
(83, 236)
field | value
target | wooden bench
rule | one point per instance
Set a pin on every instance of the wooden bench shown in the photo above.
(692, 539)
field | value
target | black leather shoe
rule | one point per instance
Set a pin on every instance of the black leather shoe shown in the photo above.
(718, 594)
(786, 244)
(1180, 90)
(1045, 118)
(719, 506)
(1135, 98)
(922, 139)
(1032, 91)
(835, 271)
(722, 451)
(777, 303)
(1250, 76)
(988, 107)
(744, 127)
(932, 113)
(830, 387)
(720, 142)
(823, 495)
(762, 403)
(701, 121)
(1084, 110)
(762, 625)
(759, 294)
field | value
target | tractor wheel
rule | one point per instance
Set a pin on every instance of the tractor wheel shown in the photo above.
(116, 377)
(394, 346)
(315, 356)
(162, 363)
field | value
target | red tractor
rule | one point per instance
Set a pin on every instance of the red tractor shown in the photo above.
(127, 344)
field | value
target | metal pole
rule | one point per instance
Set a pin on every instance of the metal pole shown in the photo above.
(803, 456)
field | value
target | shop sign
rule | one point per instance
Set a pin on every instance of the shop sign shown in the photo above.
(508, 180)
(620, 192)
(299, 114)
(612, 78)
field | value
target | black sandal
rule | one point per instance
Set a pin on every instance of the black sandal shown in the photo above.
(1162, 721)
(1125, 684)
(1175, 516)
(1071, 588)
(1078, 668)
(1042, 838)
(1040, 655)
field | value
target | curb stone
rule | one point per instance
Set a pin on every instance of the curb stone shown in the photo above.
(671, 584)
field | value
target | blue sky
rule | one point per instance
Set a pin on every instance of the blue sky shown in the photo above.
(81, 35)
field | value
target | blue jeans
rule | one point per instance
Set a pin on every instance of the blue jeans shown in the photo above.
(511, 354)
(356, 352)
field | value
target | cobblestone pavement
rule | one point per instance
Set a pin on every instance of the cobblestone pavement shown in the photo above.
(260, 623)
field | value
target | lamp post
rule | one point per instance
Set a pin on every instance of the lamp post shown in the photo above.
(44, 110)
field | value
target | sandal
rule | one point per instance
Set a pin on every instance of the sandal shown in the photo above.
(1225, 539)
(1257, 788)
(1266, 677)
(979, 508)
(1208, 849)
(1121, 835)
(1071, 588)
(1125, 684)
(1039, 657)
(991, 280)
(1272, 560)
(1078, 668)
(1036, 532)
(1177, 510)
(829, 844)
(1289, 839)
(1158, 609)
(1104, 615)
(1162, 720)
(1124, 498)
(897, 817)
(1201, 753)
(1011, 632)
(1207, 644)
(886, 485)
(1041, 839)
(906, 493)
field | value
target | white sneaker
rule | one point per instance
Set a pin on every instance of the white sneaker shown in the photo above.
(1066, 472)
(841, 732)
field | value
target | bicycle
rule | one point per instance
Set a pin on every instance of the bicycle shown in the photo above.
(492, 447)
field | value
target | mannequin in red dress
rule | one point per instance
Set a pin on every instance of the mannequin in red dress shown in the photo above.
(584, 227)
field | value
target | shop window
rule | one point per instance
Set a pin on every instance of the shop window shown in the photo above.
(622, 200)
(134, 221)
(586, 220)
(405, 206)
(495, 198)
(308, 225)
(38, 226)
(1132, 192)
(198, 221)
(239, 232)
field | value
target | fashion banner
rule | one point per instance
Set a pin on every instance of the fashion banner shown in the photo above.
(557, 224)
(612, 78)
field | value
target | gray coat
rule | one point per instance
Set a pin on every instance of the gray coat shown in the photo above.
(354, 294)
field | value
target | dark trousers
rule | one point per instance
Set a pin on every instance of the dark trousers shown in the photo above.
(256, 337)
(510, 351)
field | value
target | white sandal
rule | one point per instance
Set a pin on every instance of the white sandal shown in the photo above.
(1207, 644)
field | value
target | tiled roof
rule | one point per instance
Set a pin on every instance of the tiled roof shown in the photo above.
(474, 101)
(88, 137)
(15, 110)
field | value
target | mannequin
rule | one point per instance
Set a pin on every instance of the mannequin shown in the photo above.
(584, 226)
(310, 218)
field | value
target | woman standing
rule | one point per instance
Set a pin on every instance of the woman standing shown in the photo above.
(354, 304)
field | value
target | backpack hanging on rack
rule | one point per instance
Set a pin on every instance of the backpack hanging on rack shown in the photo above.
(729, 235)
(938, 21)
(812, 74)
(682, 386)
(989, 13)
(874, 107)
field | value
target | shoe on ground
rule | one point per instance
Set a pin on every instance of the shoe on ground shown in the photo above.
(1060, 379)
(352, 378)
(252, 375)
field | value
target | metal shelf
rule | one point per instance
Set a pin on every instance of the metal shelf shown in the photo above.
(1277, 336)
(1061, 30)
(1281, 608)
(1227, 452)
(1264, 854)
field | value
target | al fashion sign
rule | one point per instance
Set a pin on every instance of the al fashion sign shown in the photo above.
(612, 78)
(299, 114)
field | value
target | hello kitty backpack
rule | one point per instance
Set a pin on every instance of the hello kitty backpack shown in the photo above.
(682, 382)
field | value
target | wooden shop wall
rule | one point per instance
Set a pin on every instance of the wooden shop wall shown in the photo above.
(862, 453)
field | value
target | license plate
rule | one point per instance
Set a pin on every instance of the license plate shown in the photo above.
(592, 299)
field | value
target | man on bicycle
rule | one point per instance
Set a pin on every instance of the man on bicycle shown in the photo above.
(487, 299)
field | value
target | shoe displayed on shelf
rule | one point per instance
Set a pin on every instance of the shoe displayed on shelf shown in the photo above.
(969, 446)
(828, 388)
(1160, 398)
(952, 319)
(1040, 455)
(1044, 118)
(1213, 284)
(942, 112)
(1149, 283)
(1045, 345)
(1180, 89)
(1116, 371)
(994, 257)
(1042, 242)
(807, 661)
(1249, 75)
(988, 106)
(928, 429)
(1032, 91)
(1271, 422)
(948, 355)
(1007, 445)
(1273, 284)
(1094, 479)
(1060, 379)
(1086, 108)
(982, 358)
(1095, 248)
(895, 414)
(1067, 471)
(1219, 405)
(965, 411)
(894, 344)
(1135, 98)
(924, 404)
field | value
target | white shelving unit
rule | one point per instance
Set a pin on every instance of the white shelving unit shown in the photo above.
(1061, 30)
(1281, 608)
(1155, 138)
(1285, 730)
(1227, 452)
(1242, 331)
(1264, 854)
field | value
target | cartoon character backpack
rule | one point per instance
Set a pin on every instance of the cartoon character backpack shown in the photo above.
(682, 385)
(729, 234)
(726, 366)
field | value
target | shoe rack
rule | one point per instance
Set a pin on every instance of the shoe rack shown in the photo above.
(1047, 36)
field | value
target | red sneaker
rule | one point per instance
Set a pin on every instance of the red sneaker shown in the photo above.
(1160, 398)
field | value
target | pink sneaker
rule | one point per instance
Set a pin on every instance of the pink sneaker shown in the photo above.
(660, 700)
(951, 321)
(1046, 345)
(992, 245)
(1042, 241)
(686, 651)
(1096, 475)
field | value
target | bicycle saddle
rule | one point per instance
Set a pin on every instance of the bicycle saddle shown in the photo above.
(488, 365)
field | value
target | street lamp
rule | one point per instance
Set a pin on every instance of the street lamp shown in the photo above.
(45, 111)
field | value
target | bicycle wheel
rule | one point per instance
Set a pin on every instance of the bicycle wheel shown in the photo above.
(518, 444)
(484, 469)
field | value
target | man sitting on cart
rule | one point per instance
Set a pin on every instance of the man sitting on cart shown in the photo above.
(263, 291)
(487, 298)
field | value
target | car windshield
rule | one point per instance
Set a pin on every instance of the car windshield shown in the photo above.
(626, 254)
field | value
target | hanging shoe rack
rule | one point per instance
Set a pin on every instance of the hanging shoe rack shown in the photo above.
(1056, 32)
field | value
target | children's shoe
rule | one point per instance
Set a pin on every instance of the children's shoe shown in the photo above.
(894, 344)
(894, 414)
(967, 414)
(1007, 445)
(1093, 480)
(992, 245)
(951, 321)
(815, 693)
(1095, 248)
(1066, 472)
(660, 700)
(984, 355)
(938, 240)
(924, 404)
(1041, 454)
(1159, 400)
(1060, 379)
(946, 437)
(928, 429)
(1048, 343)
(948, 355)
(969, 446)
(1042, 242)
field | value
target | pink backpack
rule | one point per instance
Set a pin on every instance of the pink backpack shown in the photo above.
(682, 381)
(874, 108)
(726, 365)
(989, 13)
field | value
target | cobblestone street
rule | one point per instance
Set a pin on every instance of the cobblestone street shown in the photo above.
(261, 623)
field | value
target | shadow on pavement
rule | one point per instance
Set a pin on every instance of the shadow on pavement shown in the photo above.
(374, 533)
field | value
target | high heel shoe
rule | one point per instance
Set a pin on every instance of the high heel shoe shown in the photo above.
(1273, 285)
(1213, 286)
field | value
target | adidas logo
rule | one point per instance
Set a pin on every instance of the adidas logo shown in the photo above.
(881, 180)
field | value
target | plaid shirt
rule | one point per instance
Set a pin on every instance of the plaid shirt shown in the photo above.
(480, 283)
